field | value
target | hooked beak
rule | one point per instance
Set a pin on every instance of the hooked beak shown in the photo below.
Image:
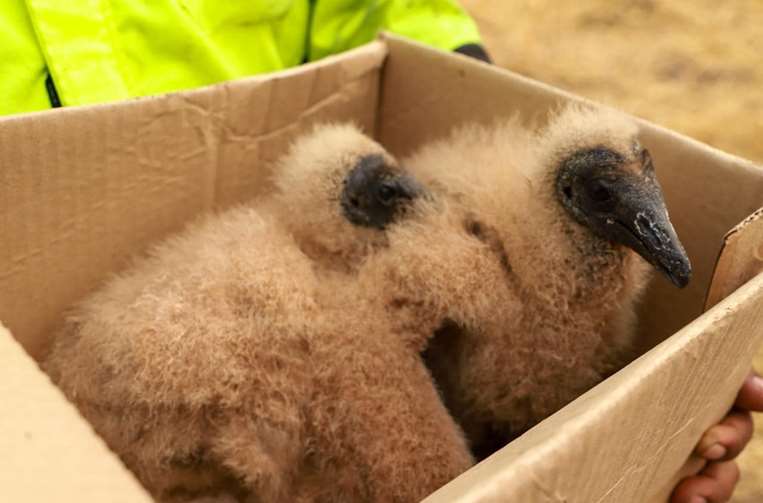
(408, 186)
(640, 221)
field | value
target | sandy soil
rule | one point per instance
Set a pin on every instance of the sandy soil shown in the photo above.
(692, 65)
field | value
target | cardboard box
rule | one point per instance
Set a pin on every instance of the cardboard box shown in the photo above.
(83, 189)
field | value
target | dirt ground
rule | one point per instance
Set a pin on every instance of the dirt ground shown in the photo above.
(692, 65)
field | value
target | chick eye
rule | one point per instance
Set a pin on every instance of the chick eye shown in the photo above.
(387, 192)
(567, 190)
(598, 192)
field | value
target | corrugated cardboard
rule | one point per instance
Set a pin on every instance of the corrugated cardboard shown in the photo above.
(49, 453)
(741, 258)
(83, 189)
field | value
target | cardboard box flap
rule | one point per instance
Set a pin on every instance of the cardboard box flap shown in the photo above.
(83, 189)
(49, 453)
(625, 440)
(740, 260)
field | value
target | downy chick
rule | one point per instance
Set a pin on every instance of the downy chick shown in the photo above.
(572, 216)
(220, 364)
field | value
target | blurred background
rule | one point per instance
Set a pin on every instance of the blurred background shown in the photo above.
(695, 66)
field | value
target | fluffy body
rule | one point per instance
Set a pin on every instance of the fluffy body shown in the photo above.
(550, 310)
(238, 360)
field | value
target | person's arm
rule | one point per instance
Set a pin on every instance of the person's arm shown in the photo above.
(439, 23)
(341, 25)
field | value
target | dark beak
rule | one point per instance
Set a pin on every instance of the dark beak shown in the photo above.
(408, 187)
(640, 221)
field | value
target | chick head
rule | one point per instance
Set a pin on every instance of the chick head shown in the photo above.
(605, 179)
(340, 189)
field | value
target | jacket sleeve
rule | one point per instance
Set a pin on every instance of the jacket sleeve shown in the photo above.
(443, 24)
(339, 25)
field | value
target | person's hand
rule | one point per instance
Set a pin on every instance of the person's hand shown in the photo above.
(719, 446)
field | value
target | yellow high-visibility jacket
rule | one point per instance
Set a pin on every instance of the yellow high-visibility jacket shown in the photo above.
(74, 52)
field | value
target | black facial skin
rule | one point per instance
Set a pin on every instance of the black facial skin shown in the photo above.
(374, 194)
(603, 191)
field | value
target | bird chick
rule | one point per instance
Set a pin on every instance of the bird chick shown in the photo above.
(222, 365)
(565, 214)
